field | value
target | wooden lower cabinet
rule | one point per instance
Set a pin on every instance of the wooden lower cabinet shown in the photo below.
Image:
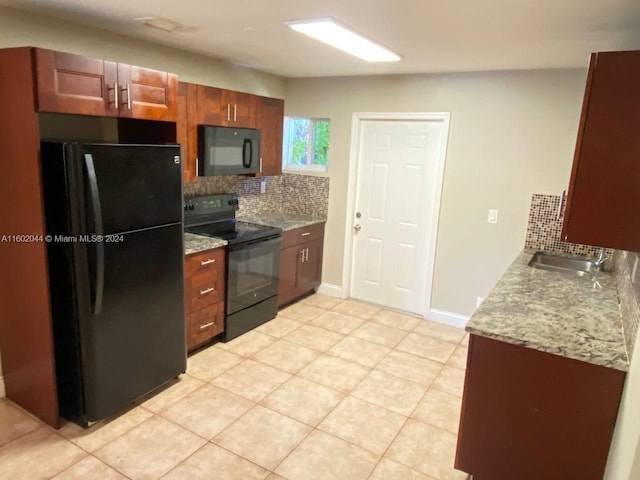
(300, 262)
(531, 415)
(204, 296)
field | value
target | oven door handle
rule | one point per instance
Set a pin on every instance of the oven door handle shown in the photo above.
(243, 246)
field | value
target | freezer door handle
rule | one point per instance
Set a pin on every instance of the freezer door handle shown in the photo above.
(96, 208)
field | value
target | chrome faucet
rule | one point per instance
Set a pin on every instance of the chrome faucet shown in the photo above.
(602, 257)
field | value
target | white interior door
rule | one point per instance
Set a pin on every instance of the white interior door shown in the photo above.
(399, 179)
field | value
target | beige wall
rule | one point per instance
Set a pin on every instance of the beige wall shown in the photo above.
(26, 29)
(511, 134)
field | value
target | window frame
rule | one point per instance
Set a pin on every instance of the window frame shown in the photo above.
(287, 166)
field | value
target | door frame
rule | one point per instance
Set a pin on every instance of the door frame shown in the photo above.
(354, 165)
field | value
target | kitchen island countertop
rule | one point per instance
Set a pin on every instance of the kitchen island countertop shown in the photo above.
(562, 314)
(285, 221)
(199, 243)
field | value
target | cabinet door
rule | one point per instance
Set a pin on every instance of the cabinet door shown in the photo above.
(602, 206)
(69, 83)
(270, 120)
(147, 94)
(310, 269)
(209, 106)
(187, 130)
(289, 259)
(241, 108)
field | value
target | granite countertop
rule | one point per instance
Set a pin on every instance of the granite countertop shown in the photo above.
(199, 243)
(574, 317)
(285, 221)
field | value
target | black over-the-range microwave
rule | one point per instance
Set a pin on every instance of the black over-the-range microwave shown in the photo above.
(228, 150)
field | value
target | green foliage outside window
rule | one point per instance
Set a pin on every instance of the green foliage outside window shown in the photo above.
(306, 142)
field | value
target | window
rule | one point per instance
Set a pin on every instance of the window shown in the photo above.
(306, 144)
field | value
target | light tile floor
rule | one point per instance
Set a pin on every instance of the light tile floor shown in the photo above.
(328, 390)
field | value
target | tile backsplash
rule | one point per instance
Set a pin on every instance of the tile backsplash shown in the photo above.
(544, 228)
(287, 193)
(628, 281)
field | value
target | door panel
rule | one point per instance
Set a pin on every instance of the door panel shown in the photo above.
(68, 83)
(270, 120)
(396, 196)
(148, 94)
(209, 106)
(137, 340)
(242, 109)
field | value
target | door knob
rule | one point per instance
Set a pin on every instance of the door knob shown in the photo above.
(357, 228)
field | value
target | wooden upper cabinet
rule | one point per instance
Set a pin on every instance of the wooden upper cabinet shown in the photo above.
(241, 108)
(270, 121)
(68, 83)
(225, 108)
(187, 129)
(147, 93)
(602, 206)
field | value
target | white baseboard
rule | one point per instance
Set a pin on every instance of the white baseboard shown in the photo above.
(330, 290)
(2, 392)
(448, 318)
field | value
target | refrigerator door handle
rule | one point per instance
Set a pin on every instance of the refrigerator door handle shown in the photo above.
(94, 194)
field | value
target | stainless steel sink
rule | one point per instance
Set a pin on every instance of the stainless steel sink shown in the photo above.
(556, 263)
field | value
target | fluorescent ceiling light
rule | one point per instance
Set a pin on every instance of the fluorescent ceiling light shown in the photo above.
(331, 32)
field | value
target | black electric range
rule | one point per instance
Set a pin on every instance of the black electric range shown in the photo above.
(253, 260)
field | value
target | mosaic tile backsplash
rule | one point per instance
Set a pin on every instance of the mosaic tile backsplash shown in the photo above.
(628, 281)
(287, 193)
(544, 229)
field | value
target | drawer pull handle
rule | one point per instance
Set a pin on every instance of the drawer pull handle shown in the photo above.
(207, 325)
(207, 262)
(305, 234)
(206, 290)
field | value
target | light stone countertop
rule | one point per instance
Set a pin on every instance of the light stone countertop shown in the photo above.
(199, 243)
(285, 221)
(563, 314)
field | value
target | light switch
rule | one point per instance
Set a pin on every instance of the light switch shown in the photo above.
(493, 216)
(263, 185)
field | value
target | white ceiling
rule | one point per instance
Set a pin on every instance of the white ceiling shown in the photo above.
(432, 35)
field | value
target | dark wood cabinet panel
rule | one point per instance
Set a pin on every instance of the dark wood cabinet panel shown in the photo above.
(209, 106)
(300, 262)
(68, 83)
(187, 130)
(204, 324)
(146, 93)
(241, 108)
(26, 337)
(518, 421)
(310, 270)
(602, 206)
(204, 296)
(270, 121)
(225, 108)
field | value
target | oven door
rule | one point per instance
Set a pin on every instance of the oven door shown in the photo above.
(253, 271)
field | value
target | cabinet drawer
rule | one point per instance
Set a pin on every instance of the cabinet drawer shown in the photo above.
(204, 289)
(302, 235)
(205, 324)
(208, 261)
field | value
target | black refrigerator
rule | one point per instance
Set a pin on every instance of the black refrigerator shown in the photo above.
(115, 254)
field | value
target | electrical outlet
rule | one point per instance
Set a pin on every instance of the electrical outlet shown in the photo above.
(479, 301)
(493, 216)
(263, 185)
